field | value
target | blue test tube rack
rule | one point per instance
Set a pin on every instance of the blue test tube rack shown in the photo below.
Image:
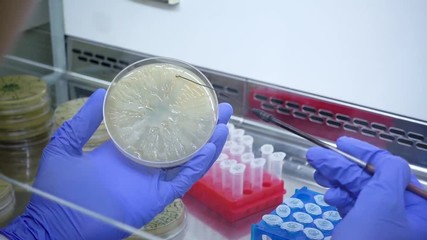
(277, 229)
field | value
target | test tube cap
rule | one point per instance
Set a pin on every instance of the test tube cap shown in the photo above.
(222, 157)
(267, 149)
(238, 132)
(238, 168)
(227, 164)
(247, 157)
(237, 150)
(313, 233)
(292, 226)
(277, 156)
(302, 217)
(248, 139)
(312, 209)
(272, 219)
(323, 224)
(320, 200)
(257, 162)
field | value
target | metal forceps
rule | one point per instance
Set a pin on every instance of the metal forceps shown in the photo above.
(369, 168)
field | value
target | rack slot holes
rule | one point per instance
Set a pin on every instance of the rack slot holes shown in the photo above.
(260, 97)
(326, 113)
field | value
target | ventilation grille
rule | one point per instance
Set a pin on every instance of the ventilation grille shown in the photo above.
(335, 120)
(99, 59)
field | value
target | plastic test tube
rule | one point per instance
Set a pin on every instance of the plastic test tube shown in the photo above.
(236, 152)
(225, 172)
(275, 162)
(237, 134)
(257, 167)
(266, 150)
(216, 171)
(237, 172)
(227, 146)
(248, 141)
(246, 158)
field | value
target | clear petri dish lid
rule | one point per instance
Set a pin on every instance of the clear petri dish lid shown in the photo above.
(27, 122)
(159, 111)
(20, 135)
(5, 189)
(21, 91)
(23, 110)
(35, 141)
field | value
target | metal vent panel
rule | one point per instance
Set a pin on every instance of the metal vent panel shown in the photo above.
(329, 120)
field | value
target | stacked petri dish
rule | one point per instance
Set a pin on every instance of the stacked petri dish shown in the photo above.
(7, 201)
(169, 224)
(67, 110)
(25, 125)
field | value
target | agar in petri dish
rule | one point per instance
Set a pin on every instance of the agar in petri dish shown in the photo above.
(67, 110)
(20, 91)
(167, 224)
(159, 111)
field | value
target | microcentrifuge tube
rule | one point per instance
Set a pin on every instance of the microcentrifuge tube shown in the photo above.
(272, 219)
(230, 127)
(331, 216)
(320, 200)
(327, 238)
(257, 169)
(247, 158)
(302, 217)
(283, 211)
(312, 209)
(237, 172)
(248, 142)
(323, 224)
(294, 203)
(216, 170)
(313, 233)
(225, 172)
(236, 135)
(227, 146)
(266, 150)
(292, 226)
(275, 163)
(236, 152)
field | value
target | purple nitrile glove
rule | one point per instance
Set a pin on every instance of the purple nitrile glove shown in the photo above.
(374, 207)
(104, 181)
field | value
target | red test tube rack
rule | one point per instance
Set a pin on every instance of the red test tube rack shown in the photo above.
(212, 194)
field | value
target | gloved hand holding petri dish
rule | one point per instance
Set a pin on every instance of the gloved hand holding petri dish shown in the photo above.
(159, 111)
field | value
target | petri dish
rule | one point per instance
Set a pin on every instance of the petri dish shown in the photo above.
(167, 224)
(21, 91)
(159, 111)
(67, 110)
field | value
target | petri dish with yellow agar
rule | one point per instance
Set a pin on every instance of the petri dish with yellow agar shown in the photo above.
(67, 110)
(160, 111)
(18, 92)
(169, 224)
